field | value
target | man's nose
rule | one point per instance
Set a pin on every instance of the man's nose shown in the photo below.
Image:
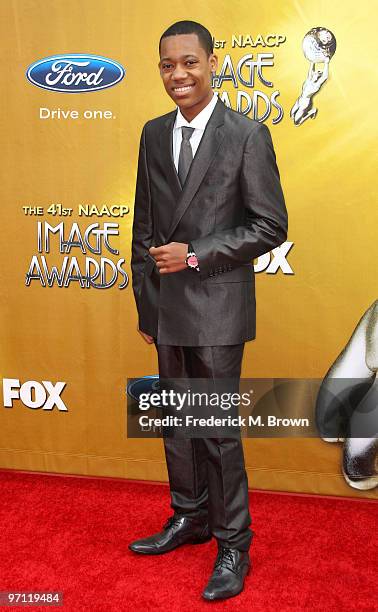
(179, 73)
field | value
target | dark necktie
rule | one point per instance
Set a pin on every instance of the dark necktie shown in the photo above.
(186, 154)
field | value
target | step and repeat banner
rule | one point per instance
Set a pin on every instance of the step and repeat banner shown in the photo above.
(80, 80)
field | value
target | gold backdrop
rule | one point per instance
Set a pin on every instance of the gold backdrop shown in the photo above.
(87, 337)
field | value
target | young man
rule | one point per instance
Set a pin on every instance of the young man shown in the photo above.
(208, 201)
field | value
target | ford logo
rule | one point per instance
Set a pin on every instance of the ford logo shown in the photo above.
(148, 384)
(75, 73)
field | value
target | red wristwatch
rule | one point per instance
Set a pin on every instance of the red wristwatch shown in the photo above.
(191, 259)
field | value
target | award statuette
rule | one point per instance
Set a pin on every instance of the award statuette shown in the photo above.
(318, 45)
(347, 403)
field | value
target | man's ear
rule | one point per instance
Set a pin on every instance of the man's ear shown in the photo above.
(159, 69)
(213, 61)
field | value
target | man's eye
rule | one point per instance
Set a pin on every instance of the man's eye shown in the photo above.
(191, 62)
(166, 66)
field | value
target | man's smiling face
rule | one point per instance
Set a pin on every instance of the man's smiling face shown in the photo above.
(186, 70)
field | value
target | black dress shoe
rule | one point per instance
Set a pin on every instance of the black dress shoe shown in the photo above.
(176, 531)
(230, 569)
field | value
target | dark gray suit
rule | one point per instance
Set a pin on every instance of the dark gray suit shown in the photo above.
(232, 210)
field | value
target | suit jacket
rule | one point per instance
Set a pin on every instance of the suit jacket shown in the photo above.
(231, 209)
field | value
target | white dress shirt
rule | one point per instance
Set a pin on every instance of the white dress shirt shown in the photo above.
(198, 123)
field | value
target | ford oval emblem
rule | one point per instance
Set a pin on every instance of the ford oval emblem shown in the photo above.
(75, 73)
(146, 384)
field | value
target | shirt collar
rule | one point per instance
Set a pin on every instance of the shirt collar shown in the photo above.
(199, 122)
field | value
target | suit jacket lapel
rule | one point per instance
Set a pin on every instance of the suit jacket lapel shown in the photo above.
(166, 138)
(209, 145)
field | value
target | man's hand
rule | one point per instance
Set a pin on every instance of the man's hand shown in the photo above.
(146, 337)
(170, 257)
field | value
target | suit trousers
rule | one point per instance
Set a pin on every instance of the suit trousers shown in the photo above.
(207, 476)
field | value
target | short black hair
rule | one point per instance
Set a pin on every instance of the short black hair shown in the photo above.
(190, 27)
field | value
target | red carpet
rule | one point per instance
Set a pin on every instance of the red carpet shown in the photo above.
(71, 535)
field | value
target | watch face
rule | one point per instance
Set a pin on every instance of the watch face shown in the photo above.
(192, 261)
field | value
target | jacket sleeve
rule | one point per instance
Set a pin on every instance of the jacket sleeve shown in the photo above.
(266, 215)
(142, 231)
